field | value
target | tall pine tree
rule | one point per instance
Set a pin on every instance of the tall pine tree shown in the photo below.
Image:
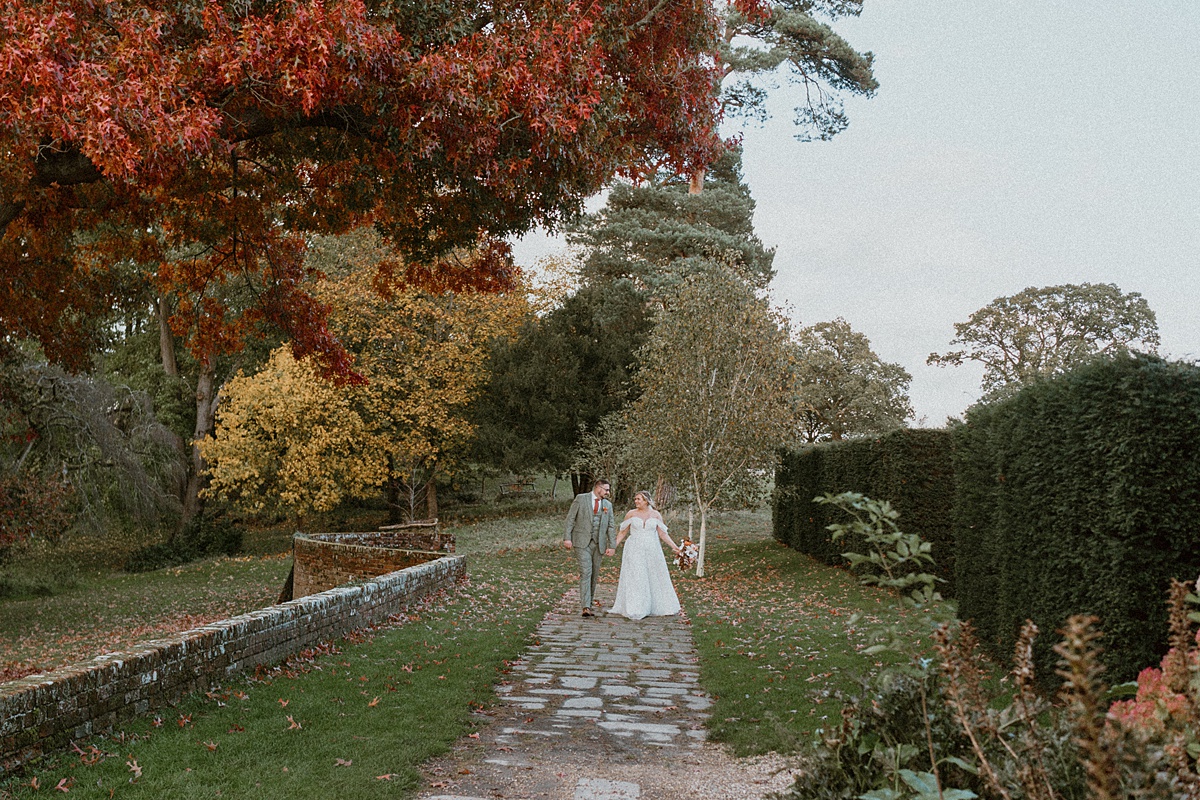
(656, 234)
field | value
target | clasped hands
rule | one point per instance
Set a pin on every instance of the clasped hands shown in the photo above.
(609, 552)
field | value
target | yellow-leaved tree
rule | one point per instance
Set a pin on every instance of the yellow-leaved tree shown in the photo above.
(289, 441)
(422, 352)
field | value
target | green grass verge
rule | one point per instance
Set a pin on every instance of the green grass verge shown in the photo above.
(428, 675)
(772, 631)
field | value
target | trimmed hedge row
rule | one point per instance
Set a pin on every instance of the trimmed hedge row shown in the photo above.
(912, 469)
(1081, 494)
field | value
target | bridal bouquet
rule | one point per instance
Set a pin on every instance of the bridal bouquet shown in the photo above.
(687, 554)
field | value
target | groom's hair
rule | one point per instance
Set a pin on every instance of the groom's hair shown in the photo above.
(601, 482)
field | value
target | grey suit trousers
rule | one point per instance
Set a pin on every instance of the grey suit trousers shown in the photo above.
(589, 571)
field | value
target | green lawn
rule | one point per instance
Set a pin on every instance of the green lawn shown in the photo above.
(770, 624)
(772, 629)
(356, 721)
(100, 609)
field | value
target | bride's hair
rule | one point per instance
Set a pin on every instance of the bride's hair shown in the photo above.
(647, 495)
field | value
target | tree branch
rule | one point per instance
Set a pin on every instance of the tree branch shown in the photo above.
(651, 14)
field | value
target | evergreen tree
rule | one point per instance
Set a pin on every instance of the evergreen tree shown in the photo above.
(658, 233)
(793, 40)
(564, 373)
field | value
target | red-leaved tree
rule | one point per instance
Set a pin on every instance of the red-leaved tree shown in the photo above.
(203, 142)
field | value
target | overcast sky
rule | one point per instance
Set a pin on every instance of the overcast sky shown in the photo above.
(1012, 143)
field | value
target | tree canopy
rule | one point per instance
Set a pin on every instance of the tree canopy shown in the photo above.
(793, 37)
(560, 377)
(842, 388)
(204, 142)
(1043, 331)
(713, 407)
(285, 432)
(656, 233)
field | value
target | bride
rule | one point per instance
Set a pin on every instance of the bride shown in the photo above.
(644, 588)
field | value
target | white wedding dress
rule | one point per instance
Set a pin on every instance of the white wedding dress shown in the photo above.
(644, 588)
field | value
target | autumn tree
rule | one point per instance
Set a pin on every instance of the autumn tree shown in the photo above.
(421, 354)
(290, 442)
(841, 388)
(714, 404)
(204, 144)
(1044, 331)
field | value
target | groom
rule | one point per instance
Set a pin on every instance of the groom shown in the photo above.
(590, 531)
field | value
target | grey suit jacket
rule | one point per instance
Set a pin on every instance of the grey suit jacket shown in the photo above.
(579, 523)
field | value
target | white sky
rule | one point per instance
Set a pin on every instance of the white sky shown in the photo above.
(1012, 143)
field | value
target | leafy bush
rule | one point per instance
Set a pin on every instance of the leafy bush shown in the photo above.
(911, 468)
(931, 729)
(1081, 495)
(31, 506)
(203, 537)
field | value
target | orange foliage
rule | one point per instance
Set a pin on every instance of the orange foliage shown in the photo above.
(206, 141)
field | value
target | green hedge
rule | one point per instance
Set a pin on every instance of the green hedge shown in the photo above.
(912, 469)
(1081, 494)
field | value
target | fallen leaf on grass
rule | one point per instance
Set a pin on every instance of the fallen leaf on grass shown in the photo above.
(472, 735)
(374, 702)
(341, 762)
(89, 757)
(386, 776)
(185, 720)
(211, 745)
(464, 772)
(292, 725)
(283, 702)
(33, 784)
(439, 784)
(236, 729)
(65, 785)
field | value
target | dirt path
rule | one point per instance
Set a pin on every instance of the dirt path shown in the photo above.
(601, 709)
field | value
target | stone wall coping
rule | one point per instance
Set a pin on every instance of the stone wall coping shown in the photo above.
(337, 539)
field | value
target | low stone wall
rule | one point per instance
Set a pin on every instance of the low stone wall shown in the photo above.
(321, 561)
(41, 713)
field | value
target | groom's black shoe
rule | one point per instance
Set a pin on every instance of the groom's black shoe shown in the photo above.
(587, 612)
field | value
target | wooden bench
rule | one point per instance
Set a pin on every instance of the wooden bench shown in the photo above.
(516, 488)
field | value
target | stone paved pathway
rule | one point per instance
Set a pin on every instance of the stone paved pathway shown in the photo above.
(597, 709)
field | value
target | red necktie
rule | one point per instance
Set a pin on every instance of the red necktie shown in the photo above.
(596, 509)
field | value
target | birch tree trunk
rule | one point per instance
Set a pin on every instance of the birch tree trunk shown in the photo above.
(703, 540)
(701, 545)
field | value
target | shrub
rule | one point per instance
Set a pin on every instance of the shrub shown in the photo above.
(203, 537)
(912, 469)
(31, 506)
(1080, 494)
(932, 729)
